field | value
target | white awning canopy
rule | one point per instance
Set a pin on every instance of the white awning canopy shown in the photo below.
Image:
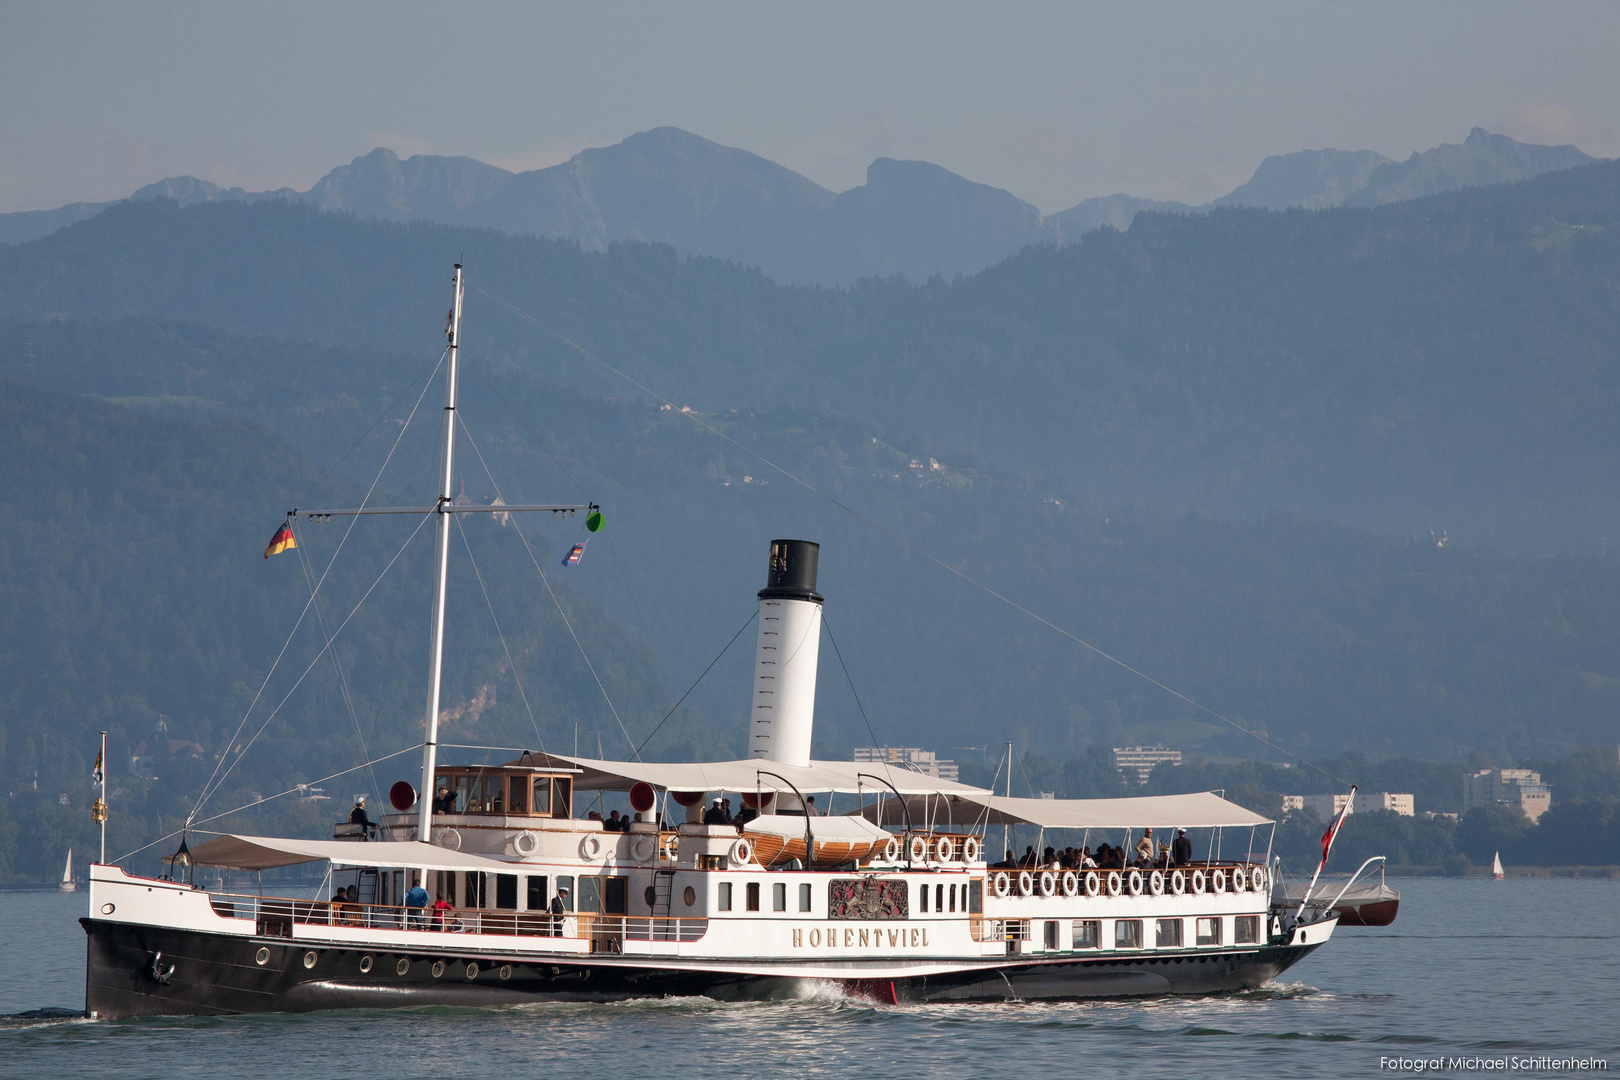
(748, 775)
(267, 852)
(1201, 810)
(847, 828)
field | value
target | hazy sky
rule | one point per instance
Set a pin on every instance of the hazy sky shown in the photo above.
(1053, 101)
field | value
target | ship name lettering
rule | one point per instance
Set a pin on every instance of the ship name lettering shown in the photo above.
(849, 937)
(865, 934)
(815, 939)
(893, 934)
(798, 939)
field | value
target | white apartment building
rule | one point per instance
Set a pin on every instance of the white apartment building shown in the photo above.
(1327, 807)
(909, 757)
(1521, 787)
(1141, 760)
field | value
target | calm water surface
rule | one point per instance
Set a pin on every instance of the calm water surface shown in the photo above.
(1471, 968)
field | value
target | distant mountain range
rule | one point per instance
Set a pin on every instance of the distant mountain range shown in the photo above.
(910, 218)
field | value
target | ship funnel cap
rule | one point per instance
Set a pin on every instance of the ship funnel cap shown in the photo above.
(792, 574)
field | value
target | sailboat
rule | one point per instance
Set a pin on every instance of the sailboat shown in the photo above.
(1496, 867)
(67, 884)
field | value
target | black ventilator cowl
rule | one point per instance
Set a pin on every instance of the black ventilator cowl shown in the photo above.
(792, 573)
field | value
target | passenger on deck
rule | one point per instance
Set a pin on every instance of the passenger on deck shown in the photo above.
(613, 824)
(595, 815)
(810, 807)
(745, 815)
(443, 910)
(1144, 849)
(714, 815)
(1029, 857)
(416, 899)
(1087, 862)
(725, 805)
(1181, 850)
(445, 801)
(1049, 859)
(358, 816)
(559, 908)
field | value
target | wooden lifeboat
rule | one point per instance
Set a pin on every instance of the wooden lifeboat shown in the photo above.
(779, 839)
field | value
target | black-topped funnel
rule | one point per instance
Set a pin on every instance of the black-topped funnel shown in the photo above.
(792, 571)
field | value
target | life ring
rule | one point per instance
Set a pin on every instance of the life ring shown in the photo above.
(1257, 878)
(1156, 883)
(525, 843)
(1026, 883)
(1115, 883)
(1001, 884)
(1093, 883)
(917, 850)
(970, 849)
(891, 851)
(669, 850)
(741, 853)
(641, 849)
(1071, 883)
(1049, 883)
(1240, 880)
(1178, 882)
(449, 839)
(1135, 883)
(1218, 880)
(590, 848)
(1198, 883)
(944, 849)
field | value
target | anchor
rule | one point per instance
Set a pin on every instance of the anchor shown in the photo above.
(159, 973)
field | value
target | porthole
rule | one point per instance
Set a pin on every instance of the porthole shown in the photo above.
(262, 957)
(690, 896)
(438, 968)
(365, 965)
(506, 971)
(107, 909)
(652, 896)
(310, 958)
(403, 966)
(472, 971)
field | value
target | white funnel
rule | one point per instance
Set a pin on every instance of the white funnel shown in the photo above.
(784, 707)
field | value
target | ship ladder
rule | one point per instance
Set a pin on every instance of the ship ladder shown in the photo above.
(663, 886)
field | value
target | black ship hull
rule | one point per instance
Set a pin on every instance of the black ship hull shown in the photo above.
(154, 971)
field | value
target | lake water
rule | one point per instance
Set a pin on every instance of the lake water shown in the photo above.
(1472, 968)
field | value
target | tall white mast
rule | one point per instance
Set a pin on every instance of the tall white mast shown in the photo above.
(430, 748)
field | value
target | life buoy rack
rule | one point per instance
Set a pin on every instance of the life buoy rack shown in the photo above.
(525, 843)
(1134, 883)
(891, 851)
(641, 849)
(741, 853)
(1001, 884)
(970, 850)
(449, 839)
(1049, 883)
(1071, 883)
(1178, 882)
(917, 850)
(1116, 883)
(1240, 880)
(1093, 883)
(1218, 881)
(590, 848)
(1156, 883)
(944, 849)
(1026, 883)
(1198, 882)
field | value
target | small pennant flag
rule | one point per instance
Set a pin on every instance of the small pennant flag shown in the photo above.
(282, 541)
(1333, 829)
(572, 558)
(96, 773)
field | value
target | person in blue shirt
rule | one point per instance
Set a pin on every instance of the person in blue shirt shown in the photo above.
(416, 899)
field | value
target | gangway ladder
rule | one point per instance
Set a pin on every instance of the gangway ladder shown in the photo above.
(663, 887)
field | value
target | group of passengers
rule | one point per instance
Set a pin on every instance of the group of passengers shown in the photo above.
(1146, 854)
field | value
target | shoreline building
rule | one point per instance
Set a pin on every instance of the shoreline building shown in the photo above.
(1142, 760)
(1520, 787)
(909, 757)
(1327, 807)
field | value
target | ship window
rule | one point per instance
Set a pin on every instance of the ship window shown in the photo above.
(520, 795)
(470, 794)
(1209, 931)
(1167, 934)
(565, 889)
(952, 895)
(562, 803)
(473, 890)
(975, 900)
(542, 795)
(537, 892)
(922, 897)
(1246, 929)
(779, 896)
(1050, 936)
(725, 896)
(506, 892)
(615, 895)
(753, 896)
(804, 897)
(1087, 933)
(590, 894)
(939, 897)
(1128, 934)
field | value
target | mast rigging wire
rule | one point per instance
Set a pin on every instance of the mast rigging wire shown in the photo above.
(343, 678)
(752, 615)
(511, 663)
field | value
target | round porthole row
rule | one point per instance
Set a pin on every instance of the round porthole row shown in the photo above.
(506, 971)
(310, 958)
(365, 965)
(690, 896)
(107, 909)
(472, 971)
(403, 966)
(262, 957)
(438, 968)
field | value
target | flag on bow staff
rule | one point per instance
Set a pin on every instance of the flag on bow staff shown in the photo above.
(572, 558)
(282, 541)
(96, 772)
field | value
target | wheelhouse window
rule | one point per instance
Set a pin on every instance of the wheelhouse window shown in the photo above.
(1128, 934)
(503, 791)
(519, 801)
(562, 797)
(1167, 933)
(1246, 929)
(541, 789)
(1087, 933)
(1209, 931)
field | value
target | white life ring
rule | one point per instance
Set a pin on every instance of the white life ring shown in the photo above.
(669, 850)
(1198, 882)
(1257, 878)
(1218, 880)
(1240, 880)
(1093, 883)
(917, 850)
(1049, 883)
(1156, 883)
(1071, 883)
(590, 848)
(1178, 882)
(449, 839)
(1115, 883)
(741, 853)
(641, 849)
(970, 849)
(412, 834)
(525, 843)
(1026, 883)
(891, 851)
(1134, 883)
(1001, 884)
(944, 849)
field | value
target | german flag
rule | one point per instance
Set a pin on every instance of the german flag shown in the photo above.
(282, 541)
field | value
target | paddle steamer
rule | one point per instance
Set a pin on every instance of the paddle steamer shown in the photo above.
(896, 898)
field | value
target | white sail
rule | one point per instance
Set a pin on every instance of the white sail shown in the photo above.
(1496, 866)
(67, 870)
